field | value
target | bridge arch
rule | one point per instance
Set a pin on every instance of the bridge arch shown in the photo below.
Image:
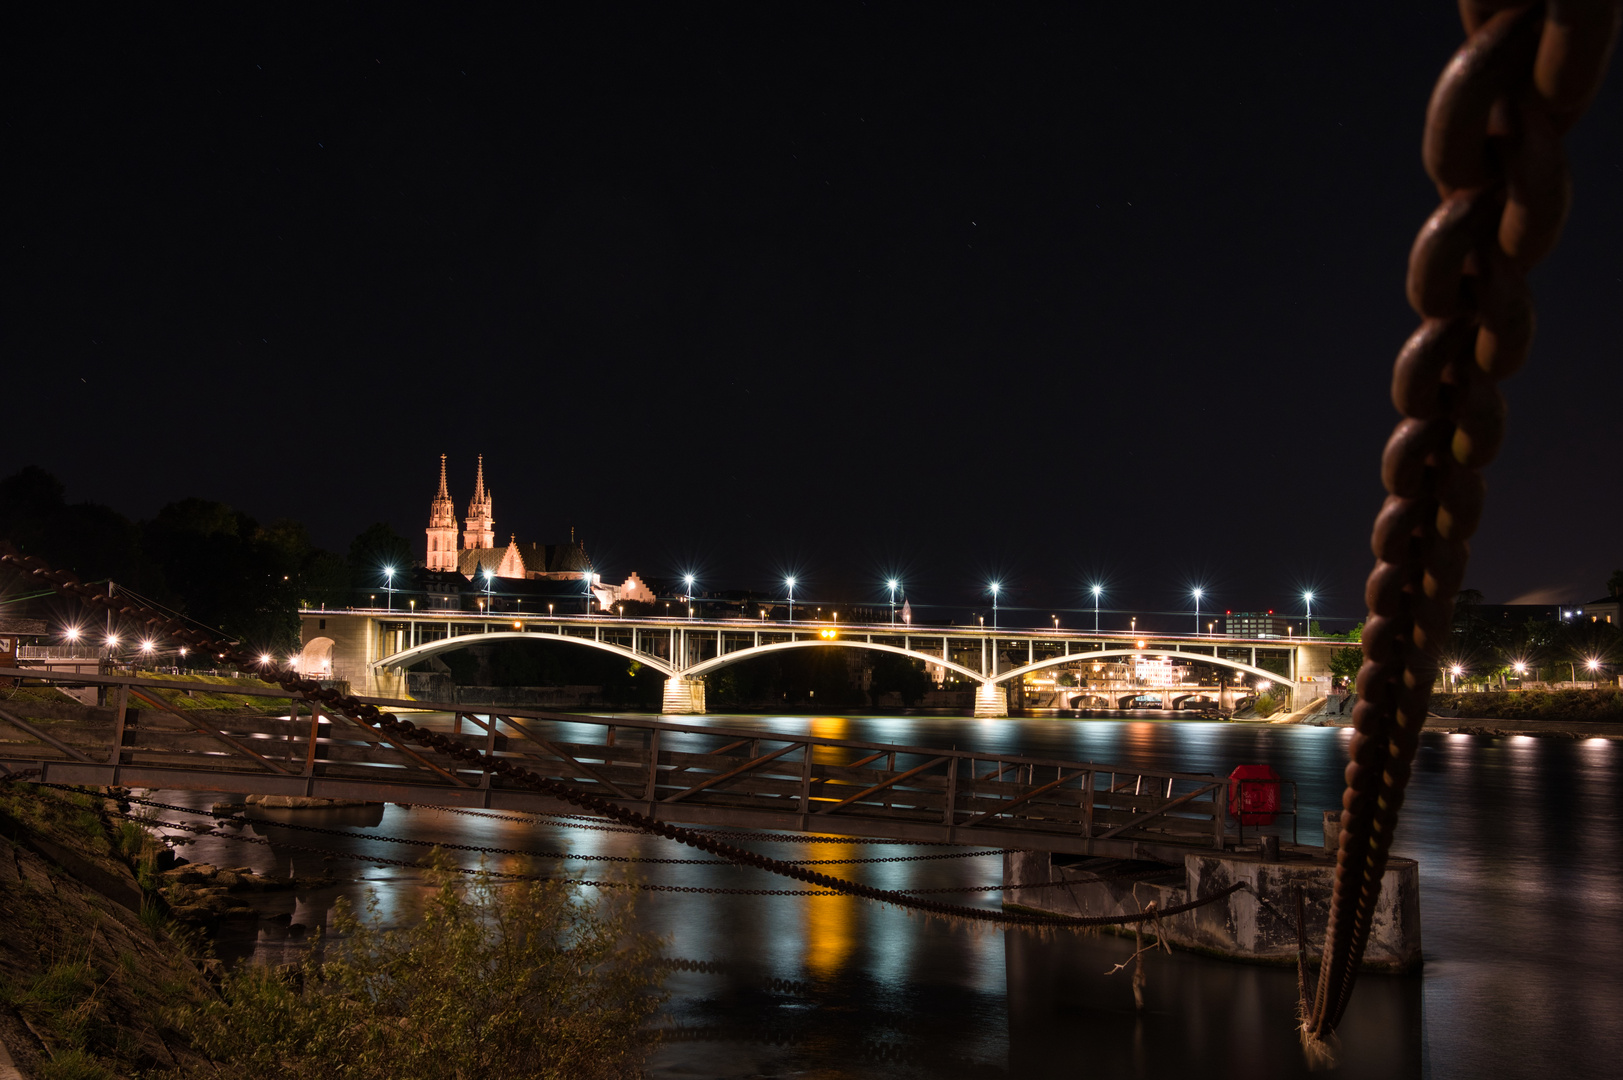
(705, 667)
(1218, 661)
(402, 660)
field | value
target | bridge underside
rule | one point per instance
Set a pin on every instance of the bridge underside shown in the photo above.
(692, 775)
(684, 688)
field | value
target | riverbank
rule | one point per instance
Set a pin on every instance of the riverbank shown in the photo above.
(89, 974)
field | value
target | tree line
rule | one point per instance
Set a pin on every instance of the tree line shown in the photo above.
(204, 559)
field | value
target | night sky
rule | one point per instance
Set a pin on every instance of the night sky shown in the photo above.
(1048, 294)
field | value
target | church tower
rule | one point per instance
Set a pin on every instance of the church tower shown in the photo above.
(481, 526)
(442, 527)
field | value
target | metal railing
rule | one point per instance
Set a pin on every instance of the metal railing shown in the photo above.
(692, 773)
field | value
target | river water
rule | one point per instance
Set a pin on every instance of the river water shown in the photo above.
(1519, 840)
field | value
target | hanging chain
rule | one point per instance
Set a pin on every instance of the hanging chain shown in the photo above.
(1492, 145)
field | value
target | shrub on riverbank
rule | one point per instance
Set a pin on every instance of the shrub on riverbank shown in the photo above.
(1605, 705)
(498, 980)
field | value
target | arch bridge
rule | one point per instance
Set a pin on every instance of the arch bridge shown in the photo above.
(373, 649)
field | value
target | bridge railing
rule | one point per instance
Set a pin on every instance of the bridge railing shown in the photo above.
(697, 773)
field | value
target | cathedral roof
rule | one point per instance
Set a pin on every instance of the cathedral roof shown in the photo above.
(554, 558)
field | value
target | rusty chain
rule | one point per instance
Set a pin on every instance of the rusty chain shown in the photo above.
(1492, 145)
(513, 773)
(239, 821)
(577, 821)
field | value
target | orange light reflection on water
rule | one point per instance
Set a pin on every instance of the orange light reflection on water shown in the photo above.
(830, 922)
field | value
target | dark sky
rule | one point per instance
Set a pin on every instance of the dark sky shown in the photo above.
(1043, 293)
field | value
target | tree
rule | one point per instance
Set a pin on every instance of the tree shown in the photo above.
(1344, 663)
(374, 550)
(498, 981)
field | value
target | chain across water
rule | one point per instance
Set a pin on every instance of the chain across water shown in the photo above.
(513, 773)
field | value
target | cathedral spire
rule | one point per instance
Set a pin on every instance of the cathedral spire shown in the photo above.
(480, 530)
(442, 527)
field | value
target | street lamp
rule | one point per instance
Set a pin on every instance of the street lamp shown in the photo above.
(388, 578)
(1307, 598)
(1056, 621)
(994, 587)
(687, 579)
(1455, 672)
(586, 580)
(1198, 594)
(490, 576)
(1132, 625)
(892, 583)
(789, 581)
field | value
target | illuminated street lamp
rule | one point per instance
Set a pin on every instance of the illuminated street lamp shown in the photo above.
(71, 633)
(687, 579)
(388, 578)
(994, 587)
(1097, 589)
(1455, 671)
(1198, 594)
(789, 581)
(892, 584)
(1307, 598)
(1056, 621)
(490, 576)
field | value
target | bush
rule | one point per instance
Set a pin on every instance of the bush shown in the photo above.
(498, 980)
(1266, 705)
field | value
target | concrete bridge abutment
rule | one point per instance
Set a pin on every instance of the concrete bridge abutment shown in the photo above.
(991, 701)
(683, 697)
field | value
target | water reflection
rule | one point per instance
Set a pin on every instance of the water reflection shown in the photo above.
(1520, 845)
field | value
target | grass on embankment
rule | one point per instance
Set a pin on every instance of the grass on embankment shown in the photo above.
(1578, 706)
(85, 983)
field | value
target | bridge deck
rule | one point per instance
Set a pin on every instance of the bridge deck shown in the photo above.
(686, 773)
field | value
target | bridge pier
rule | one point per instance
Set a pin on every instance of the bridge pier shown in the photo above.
(991, 700)
(683, 696)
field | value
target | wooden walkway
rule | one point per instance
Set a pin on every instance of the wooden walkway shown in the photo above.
(696, 774)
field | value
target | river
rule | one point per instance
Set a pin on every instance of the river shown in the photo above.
(1519, 840)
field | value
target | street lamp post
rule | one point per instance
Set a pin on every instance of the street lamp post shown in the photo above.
(892, 583)
(994, 604)
(687, 580)
(1096, 591)
(1307, 598)
(791, 583)
(1198, 594)
(490, 576)
(388, 584)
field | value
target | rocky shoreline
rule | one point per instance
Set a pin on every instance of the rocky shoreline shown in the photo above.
(203, 895)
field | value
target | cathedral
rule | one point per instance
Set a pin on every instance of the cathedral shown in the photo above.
(478, 556)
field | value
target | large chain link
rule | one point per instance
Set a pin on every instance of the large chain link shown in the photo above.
(1493, 146)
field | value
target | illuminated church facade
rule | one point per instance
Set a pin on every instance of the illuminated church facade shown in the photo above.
(477, 556)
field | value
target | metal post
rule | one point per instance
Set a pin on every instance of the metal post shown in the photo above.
(121, 710)
(952, 793)
(653, 765)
